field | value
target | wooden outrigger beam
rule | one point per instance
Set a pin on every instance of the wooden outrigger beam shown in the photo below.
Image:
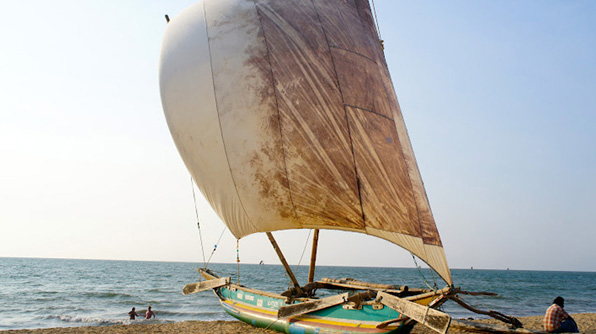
(313, 256)
(205, 285)
(319, 304)
(431, 318)
(311, 306)
(284, 262)
(355, 284)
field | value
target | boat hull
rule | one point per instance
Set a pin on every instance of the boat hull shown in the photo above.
(260, 310)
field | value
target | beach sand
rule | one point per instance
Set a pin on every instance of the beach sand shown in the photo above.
(586, 323)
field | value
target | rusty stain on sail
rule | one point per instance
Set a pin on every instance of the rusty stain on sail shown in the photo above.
(285, 115)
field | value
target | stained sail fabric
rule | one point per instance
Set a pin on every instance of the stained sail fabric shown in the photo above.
(285, 115)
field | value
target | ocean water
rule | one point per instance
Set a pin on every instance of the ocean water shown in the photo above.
(39, 293)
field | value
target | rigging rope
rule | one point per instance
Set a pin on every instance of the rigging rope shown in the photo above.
(422, 275)
(215, 246)
(303, 251)
(198, 223)
(238, 259)
(432, 275)
(377, 24)
(272, 323)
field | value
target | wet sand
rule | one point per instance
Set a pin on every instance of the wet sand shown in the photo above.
(586, 323)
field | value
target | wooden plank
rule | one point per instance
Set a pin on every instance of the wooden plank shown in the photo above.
(260, 292)
(339, 286)
(207, 273)
(349, 281)
(360, 285)
(205, 285)
(311, 306)
(431, 318)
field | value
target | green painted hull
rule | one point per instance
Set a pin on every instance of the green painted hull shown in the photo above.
(261, 310)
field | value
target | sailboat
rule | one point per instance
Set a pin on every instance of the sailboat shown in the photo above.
(285, 115)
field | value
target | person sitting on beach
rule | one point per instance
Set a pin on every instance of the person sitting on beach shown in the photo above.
(133, 314)
(556, 320)
(149, 313)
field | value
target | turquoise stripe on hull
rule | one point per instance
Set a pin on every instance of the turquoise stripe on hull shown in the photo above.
(259, 310)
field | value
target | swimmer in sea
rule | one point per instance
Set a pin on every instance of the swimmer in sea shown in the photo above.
(149, 313)
(133, 314)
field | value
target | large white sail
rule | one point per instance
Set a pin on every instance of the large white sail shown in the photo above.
(285, 115)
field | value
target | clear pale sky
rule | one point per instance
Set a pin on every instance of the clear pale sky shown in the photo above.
(498, 97)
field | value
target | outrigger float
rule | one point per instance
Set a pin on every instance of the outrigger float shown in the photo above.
(285, 115)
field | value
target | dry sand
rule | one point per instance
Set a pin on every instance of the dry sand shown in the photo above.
(585, 321)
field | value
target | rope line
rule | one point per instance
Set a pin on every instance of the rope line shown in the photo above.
(303, 251)
(194, 198)
(422, 275)
(271, 323)
(238, 259)
(377, 22)
(215, 246)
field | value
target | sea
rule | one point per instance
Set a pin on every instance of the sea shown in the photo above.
(42, 293)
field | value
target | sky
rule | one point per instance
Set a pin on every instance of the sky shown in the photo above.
(498, 98)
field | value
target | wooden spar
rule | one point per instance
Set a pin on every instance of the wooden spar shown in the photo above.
(497, 315)
(319, 304)
(431, 318)
(284, 262)
(361, 284)
(205, 285)
(311, 306)
(313, 256)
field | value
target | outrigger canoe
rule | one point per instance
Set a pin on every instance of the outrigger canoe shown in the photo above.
(361, 307)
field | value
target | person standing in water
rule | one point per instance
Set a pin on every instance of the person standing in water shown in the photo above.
(133, 314)
(149, 313)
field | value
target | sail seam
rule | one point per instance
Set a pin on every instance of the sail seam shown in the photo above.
(412, 185)
(370, 111)
(219, 121)
(382, 61)
(281, 136)
(358, 183)
(365, 16)
(352, 51)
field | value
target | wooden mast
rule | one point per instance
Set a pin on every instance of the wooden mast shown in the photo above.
(313, 256)
(284, 262)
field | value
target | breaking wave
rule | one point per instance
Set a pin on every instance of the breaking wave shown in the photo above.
(92, 321)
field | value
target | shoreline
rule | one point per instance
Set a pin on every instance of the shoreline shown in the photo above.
(586, 323)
